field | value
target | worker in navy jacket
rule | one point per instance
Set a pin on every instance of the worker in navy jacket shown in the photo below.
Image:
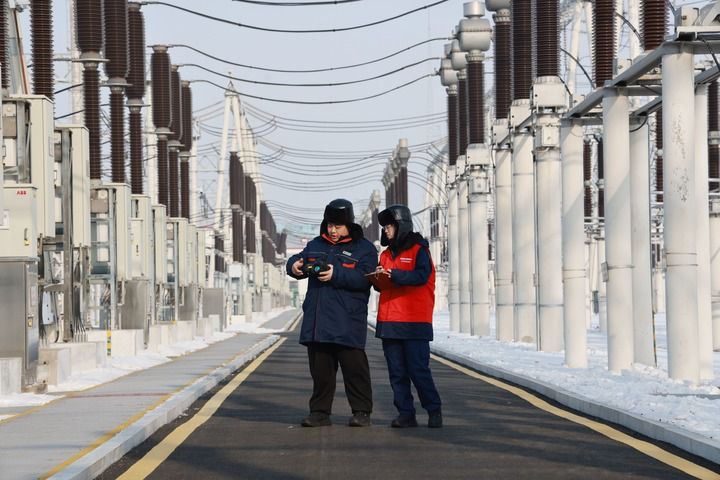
(334, 326)
(404, 320)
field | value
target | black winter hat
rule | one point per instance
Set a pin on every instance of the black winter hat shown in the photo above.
(401, 216)
(340, 212)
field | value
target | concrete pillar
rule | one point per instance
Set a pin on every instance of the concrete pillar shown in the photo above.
(548, 175)
(453, 252)
(503, 244)
(523, 244)
(573, 246)
(465, 285)
(616, 142)
(678, 90)
(644, 327)
(705, 329)
(478, 157)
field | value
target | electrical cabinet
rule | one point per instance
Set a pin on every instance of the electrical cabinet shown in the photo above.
(141, 243)
(19, 323)
(159, 215)
(183, 254)
(30, 152)
(201, 235)
(18, 225)
(72, 150)
(110, 210)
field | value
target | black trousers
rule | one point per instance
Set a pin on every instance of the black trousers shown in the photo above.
(324, 359)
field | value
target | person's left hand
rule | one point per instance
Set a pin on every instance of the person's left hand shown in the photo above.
(326, 275)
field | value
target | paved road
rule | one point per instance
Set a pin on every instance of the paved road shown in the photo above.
(489, 433)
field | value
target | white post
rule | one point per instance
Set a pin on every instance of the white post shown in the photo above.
(478, 157)
(602, 283)
(503, 244)
(463, 247)
(644, 329)
(715, 269)
(150, 150)
(703, 232)
(616, 143)
(574, 47)
(194, 192)
(453, 251)
(221, 163)
(678, 90)
(548, 199)
(633, 16)
(573, 246)
(523, 243)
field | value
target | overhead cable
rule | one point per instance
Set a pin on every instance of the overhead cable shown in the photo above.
(325, 102)
(314, 70)
(277, 30)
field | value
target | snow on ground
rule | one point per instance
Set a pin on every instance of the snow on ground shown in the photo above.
(642, 390)
(119, 366)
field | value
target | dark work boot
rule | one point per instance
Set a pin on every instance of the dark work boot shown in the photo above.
(360, 419)
(404, 421)
(316, 419)
(435, 419)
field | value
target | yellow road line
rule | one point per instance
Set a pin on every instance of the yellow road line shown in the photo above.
(647, 448)
(146, 465)
(108, 435)
(295, 323)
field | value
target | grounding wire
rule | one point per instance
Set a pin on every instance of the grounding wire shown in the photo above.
(276, 30)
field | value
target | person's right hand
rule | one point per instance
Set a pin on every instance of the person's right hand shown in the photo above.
(296, 268)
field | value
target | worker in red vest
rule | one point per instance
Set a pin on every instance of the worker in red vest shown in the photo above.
(405, 312)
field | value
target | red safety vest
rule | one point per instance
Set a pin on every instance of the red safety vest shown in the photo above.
(406, 303)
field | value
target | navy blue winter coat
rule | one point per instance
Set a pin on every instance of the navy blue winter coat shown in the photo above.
(336, 311)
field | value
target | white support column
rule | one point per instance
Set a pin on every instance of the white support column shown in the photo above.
(601, 282)
(194, 192)
(453, 251)
(644, 328)
(616, 144)
(463, 246)
(503, 244)
(523, 243)
(573, 246)
(150, 140)
(702, 214)
(678, 90)
(221, 163)
(715, 270)
(478, 158)
(548, 240)
(574, 47)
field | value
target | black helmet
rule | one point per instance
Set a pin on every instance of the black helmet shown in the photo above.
(399, 215)
(340, 212)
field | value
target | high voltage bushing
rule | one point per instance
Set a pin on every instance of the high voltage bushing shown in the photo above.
(116, 38)
(654, 15)
(714, 132)
(503, 64)
(603, 40)
(176, 106)
(237, 221)
(117, 136)
(91, 98)
(459, 63)
(601, 177)
(547, 34)
(160, 67)
(474, 36)
(42, 48)
(187, 134)
(449, 79)
(185, 190)
(173, 182)
(136, 52)
(522, 48)
(135, 92)
(4, 43)
(89, 31)
(587, 178)
(251, 212)
(659, 154)
(234, 191)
